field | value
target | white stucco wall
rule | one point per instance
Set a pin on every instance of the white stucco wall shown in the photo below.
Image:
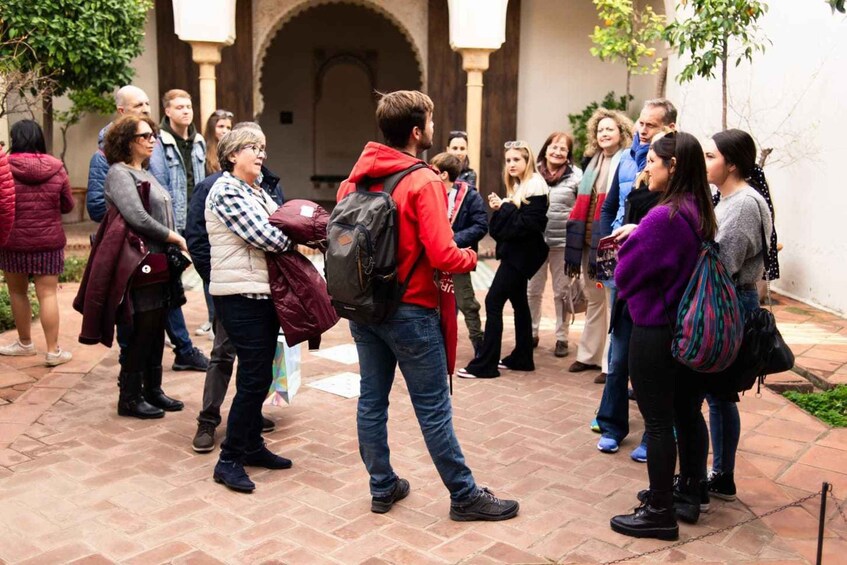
(794, 99)
(82, 138)
(558, 75)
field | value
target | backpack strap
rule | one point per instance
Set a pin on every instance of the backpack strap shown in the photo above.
(388, 187)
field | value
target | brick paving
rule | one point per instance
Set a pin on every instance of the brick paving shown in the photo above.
(80, 484)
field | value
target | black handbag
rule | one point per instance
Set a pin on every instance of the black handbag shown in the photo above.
(763, 351)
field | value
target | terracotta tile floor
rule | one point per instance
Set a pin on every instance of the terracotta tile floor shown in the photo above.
(80, 484)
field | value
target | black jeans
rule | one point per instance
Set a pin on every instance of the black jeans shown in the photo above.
(508, 284)
(146, 341)
(252, 327)
(668, 395)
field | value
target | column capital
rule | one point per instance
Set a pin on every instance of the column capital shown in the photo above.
(207, 52)
(475, 59)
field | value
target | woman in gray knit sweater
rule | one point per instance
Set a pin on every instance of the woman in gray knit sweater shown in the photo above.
(128, 146)
(743, 220)
(554, 164)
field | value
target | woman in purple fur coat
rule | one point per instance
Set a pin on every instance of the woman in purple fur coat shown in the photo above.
(654, 266)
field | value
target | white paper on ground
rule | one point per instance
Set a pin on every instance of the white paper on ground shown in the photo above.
(342, 384)
(340, 354)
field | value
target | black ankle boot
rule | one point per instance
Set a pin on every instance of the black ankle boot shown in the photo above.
(686, 499)
(648, 521)
(154, 394)
(130, 402)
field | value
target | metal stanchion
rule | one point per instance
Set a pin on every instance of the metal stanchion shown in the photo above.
(824, 491)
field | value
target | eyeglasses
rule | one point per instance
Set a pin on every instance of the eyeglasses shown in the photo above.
(149, 136)
(516, 145)
(223, 114)
(458, 133)
(257, 151)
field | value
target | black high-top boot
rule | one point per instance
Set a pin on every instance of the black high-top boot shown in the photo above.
(130, 402)
(154, 394)
(653, 519)
(686, 499)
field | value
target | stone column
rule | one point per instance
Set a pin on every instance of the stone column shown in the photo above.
(474, 62)
(207, 55)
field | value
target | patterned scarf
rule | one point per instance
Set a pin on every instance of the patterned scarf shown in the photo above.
(578, 220)
(552, 178)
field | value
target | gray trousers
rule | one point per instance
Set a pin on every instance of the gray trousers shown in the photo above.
(467, 303)
(217, 376)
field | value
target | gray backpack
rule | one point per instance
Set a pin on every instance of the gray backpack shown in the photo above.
(361, 256)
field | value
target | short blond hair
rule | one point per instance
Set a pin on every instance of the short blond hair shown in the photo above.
(173, 94)
(624, 126)
(399, 112)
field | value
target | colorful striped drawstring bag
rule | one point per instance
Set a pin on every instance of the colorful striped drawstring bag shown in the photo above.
(709, 326)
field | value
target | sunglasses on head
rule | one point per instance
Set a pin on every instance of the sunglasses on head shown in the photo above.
(458, 133)
(223, 114)
(516, 145)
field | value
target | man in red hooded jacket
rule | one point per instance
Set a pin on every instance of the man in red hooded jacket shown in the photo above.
(412, 336)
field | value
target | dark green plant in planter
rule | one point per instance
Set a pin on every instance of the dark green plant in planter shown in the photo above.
(829, 406)
(74, 269)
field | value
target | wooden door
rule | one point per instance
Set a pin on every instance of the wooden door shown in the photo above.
(447, 88)
(234, 74)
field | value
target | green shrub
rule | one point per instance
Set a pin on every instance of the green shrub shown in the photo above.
(7, 322)
(579, 121)
(74, 269)
(829, 406)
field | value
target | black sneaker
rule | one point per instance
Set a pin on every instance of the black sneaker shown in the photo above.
(268, 425)
(382, 504)
(484, 506)
(233, 475)
(722, 485)
(647, 522)
(194, 360)
(204, 439)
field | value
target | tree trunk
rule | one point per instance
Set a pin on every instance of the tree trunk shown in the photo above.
(628, 83)
(47, 120)
(724, 58)
(662, 79)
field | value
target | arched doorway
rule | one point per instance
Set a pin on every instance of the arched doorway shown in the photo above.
(319, 75)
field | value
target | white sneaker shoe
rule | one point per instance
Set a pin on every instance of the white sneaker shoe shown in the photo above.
(204, 329)
(18, 349)
(58, 358)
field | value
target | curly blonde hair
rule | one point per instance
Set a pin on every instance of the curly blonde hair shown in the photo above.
(624, 125)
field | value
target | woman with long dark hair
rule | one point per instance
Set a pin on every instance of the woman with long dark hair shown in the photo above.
(655, 264)
(518, 228)
(37, 240)
(743, 222)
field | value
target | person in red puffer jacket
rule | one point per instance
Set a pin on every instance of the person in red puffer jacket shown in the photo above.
(7, 198)
(37, 242)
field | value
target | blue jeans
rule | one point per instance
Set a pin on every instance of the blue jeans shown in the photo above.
(411, 338)
(177, 332)
(252, 327)
(724, 420)
(613, 414)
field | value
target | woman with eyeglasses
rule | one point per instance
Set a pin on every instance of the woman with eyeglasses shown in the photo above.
(609, 133)
(517, 226)
(655, 263)
(128, 146)
(218, 124)
(458, 146)
(40, 194)
(562, 177)
(237, 212)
